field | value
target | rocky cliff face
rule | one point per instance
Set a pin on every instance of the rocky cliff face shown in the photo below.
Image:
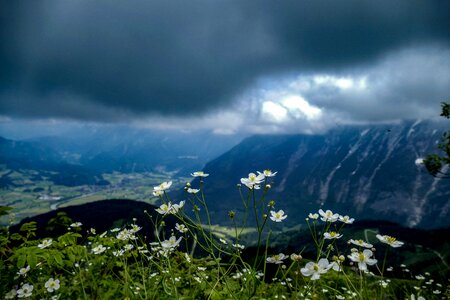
(367, 172)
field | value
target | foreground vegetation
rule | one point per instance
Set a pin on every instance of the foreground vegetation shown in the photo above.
(189, 262)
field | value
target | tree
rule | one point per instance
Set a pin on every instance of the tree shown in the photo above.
(437, 165)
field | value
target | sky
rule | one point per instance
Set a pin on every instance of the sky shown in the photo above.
(230, 66)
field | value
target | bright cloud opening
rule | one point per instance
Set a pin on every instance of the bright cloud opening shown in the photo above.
(274, 111)
(299, 107)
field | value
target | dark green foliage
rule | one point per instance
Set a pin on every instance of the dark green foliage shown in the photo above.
(436, 163)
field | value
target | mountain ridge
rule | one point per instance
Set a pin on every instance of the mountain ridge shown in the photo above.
(363, 171)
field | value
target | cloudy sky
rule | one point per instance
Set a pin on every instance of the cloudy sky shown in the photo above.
(229, 66)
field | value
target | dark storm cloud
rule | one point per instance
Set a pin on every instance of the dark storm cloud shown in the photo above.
(109, 60)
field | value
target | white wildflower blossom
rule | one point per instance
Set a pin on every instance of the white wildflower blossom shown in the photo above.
(163, 186)
(361, 243)
(124, 235)
(328, 216)
(23, 271)
(268, 173)
(199, 174)
(76, 224)
(253, 180)
(177, 207)
(296, 257)
(164, 208)
(171, 243)
(238, 246)
(276, 259)
(52, 285)
(316, 269)
(98, 249)
(391, 241)
(277, 216)
(11, 294)
(192, 191)
(346, 219)
(223, 241)
(45, 243)
(128, 247)
(181, 228)
(25, 291)
(363, 259)
(135, 228)
(119, 252)
(332, 235)
(313, 216)
(158, 193)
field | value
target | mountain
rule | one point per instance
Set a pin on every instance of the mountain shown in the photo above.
(126, 149)
(367, 172)
(20, 155)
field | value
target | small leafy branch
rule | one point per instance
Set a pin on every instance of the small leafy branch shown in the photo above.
(438, 165)
(190, 261)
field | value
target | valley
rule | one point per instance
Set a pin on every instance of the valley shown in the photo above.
(29, 196)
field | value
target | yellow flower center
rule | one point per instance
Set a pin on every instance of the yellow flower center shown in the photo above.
(390, 239)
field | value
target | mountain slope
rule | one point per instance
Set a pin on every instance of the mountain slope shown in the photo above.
(365, 172)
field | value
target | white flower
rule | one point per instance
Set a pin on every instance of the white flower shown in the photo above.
(25, 291)
(177, 207)
(346, 219)
(238, 246)
(128, 247)
(188, 258)
(99, 249)
(181, 228)
(328, 216)
(296, 257)
(332, 235)
(45, 243)
(158, 193)
(135, 228)
(163, 186)
(277, 259)
(23, 271)
(118, 252)
(360, 243)
(164, 208)
(383, 283)
(199, 174)
(418, 298)
(223, 241)
(192, 191)
(316, 269)
(253, 180)
(11, 294)
(76, 224)
(363, 259)
(391, 241)
(277, 216)
(268, 173)
(52, 285)
(313, 216)
(171, 243)
(125, 235)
